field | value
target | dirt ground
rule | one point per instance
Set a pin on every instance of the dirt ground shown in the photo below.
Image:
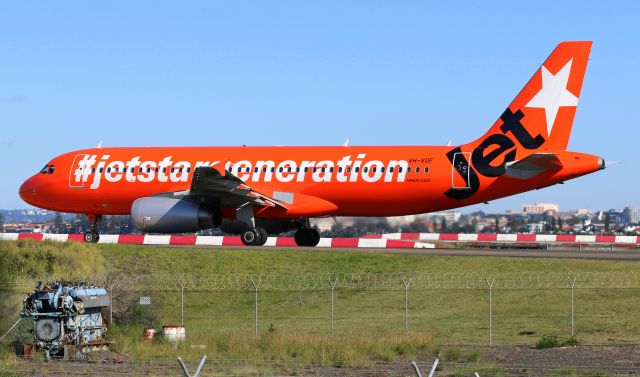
(619, 360)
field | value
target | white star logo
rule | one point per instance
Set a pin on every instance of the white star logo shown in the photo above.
(554, 94)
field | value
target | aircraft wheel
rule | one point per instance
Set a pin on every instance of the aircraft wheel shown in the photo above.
(263, 236)
(307, 237)
(250, 237)
(315, 237)
(91, 236)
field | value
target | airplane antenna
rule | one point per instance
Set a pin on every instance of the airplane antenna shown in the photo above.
(449, 143)
(346, 143)
(99, 144)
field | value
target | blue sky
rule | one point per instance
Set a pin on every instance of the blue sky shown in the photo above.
(308, 73)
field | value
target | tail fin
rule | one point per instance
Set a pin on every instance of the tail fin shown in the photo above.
(541, 115)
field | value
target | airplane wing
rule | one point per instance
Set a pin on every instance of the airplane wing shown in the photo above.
(229, 189)
(533, 165)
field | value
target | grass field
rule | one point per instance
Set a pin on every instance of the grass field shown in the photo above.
(368, 319)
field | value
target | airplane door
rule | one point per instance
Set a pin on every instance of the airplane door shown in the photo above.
(460, 171)
(77, 174)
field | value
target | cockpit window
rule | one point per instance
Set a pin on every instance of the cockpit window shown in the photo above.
(50, 169)
(44, 170)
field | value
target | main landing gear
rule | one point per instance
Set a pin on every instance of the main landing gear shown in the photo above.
(257, 236)
(92, 235)
(307, 237)
(254, 236)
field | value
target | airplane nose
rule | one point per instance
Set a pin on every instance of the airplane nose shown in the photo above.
(28, 189)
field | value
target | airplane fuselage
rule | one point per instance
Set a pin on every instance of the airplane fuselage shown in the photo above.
(350, 181)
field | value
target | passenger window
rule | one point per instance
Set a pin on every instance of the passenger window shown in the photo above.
(348, 169)
(391, 169)
(148, 170)
(382, 169)
(306, 169)
(340, 169)
(322, 170)
(357, 169)
(272, 170)
(164, 170)
(93, 170)
(298, 169)
(264, 170)
(101, 170)
(255, 170)
(280, 169)
(188, 169)
(108, 170)
(289, 169)
(331, 169)
(400, 169)
(50, 169)
(374, 169)
(366, 169)
(409, 169)
(248, 169)
(417, 169)
(426, 169)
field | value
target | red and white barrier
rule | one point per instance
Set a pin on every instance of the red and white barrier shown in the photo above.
(507, 238)
(389, 240)
(151, 239)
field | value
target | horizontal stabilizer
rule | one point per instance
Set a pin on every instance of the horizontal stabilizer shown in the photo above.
(533, 165)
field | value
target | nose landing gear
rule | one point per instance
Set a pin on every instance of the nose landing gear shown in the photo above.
(92, 235)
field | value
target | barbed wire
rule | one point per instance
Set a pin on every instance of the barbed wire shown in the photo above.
(354, 281)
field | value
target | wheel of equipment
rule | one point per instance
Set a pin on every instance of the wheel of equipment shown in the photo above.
(96, 237)
(250, 237)
(263, 235)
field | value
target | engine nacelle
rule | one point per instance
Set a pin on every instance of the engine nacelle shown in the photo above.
(157, 214)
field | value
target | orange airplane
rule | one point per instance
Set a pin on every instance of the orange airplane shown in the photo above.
(255, 191)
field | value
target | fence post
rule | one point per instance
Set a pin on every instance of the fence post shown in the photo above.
(182, 286)
(572, 283)
(490, 286)
(406, 283)
(256, 285)
(332, 283)
(110, 289)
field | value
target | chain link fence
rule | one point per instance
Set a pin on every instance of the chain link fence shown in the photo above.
(454, 308)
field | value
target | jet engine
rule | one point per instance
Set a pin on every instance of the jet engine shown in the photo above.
(157, 214)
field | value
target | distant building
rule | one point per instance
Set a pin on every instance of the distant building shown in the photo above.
(632, 215)
(583, 212)
(448, 216)
(539, 208)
